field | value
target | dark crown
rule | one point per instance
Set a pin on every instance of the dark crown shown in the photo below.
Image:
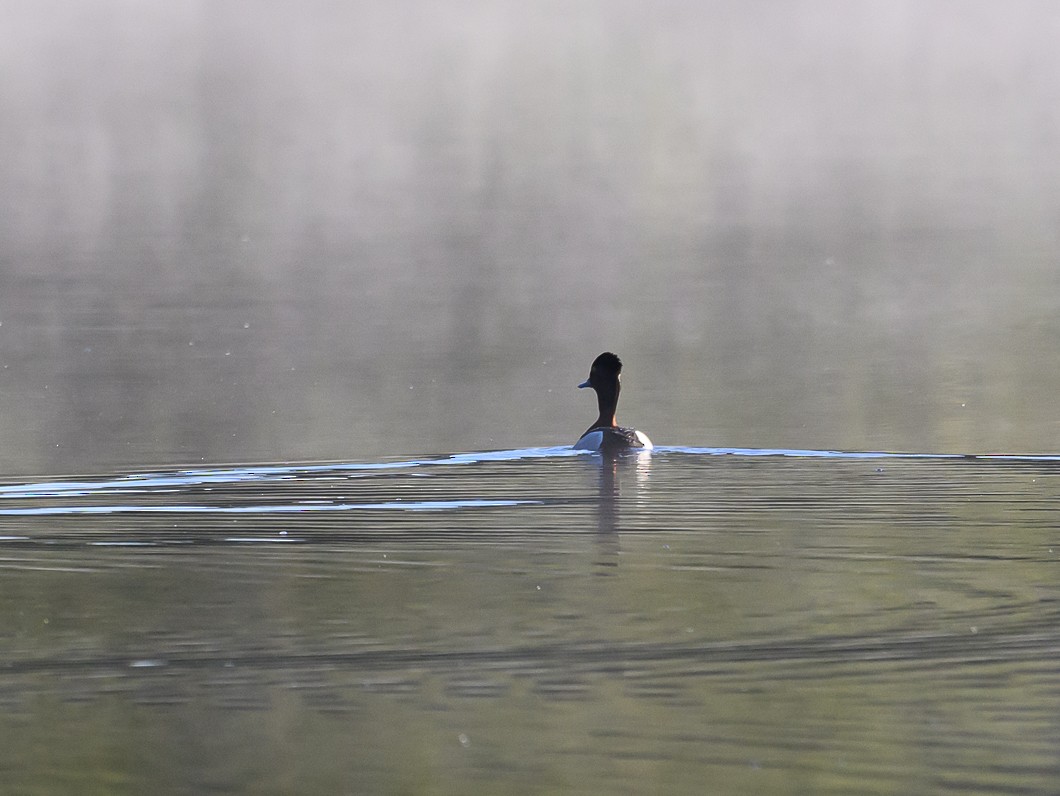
(608, 361)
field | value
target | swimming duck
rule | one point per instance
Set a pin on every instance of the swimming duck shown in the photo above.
(605, 433)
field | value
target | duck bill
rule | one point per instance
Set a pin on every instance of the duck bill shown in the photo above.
(584, 384)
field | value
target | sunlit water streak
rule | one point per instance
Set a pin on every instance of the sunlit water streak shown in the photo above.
(133, 484)
(232, 475)
(425, 505)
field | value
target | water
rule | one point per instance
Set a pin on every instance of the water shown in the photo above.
(765, 621)
(293, 302)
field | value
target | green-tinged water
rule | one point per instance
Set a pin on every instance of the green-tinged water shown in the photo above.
(534, 621)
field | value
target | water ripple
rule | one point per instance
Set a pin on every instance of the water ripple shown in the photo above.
(425, 505)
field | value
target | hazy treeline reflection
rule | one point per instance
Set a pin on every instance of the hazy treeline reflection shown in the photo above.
(240, 231)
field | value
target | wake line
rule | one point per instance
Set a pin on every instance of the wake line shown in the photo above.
(158, 482)
(279, 508)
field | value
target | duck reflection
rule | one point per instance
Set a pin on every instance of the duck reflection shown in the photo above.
(617, 469)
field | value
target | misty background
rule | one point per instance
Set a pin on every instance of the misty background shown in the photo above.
(265, 231)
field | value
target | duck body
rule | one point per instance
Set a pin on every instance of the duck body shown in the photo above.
(615, 438)
(605, 434)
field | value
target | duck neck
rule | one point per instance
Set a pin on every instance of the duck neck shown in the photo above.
(607, 398)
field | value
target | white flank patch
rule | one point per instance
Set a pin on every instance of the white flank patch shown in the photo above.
(590, 442)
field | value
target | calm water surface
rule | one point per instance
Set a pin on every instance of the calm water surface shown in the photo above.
(520, 621)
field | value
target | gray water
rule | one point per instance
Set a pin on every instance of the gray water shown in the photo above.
(293, 300)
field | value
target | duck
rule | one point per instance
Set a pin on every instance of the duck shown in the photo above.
(605, 434)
